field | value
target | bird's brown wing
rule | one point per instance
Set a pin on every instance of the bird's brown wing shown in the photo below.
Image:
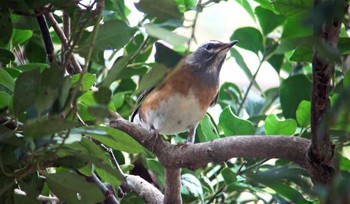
(139, 100)
(214, 100)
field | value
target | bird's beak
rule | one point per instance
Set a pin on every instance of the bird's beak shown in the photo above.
(227, 46)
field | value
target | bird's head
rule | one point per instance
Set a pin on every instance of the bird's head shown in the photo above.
(209, 56)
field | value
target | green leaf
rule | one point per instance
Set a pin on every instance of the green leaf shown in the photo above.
(153, 77)
(303, 114)
(115, 139)
(230, 124)
(159, 32)
(72, 188)
(344, 163)
(5, 26)
(249, 38)
(296, 27)
(6, 80)
(87, 82)
(103, 95)
(344, 45)
(293, 90)
(206, 130)
(229, 95)
(268, 20)
(274, 126)
(164, 9)
(4, 99)
(6, 56)
(266, 4)
(52, 125)
(248, 8)
(118, 100)
(27, 85)
(346, 79)
(113, 34)
(303, 53)
(192, 185)
(228, 175)
(276, 61)
(292, 8)
(114, 72)
(20, 36)
(166, 56)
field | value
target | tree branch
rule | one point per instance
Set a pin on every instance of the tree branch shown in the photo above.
(322, 150)
(144, 189)
(110, 198)
(172, 186)
(46, 37)
(64, 41)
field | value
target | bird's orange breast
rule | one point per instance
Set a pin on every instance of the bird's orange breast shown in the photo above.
(186, 86)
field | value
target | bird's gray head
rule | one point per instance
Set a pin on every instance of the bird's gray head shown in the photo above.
(209, 56)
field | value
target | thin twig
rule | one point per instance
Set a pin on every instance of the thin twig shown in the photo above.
(199, 9)
(110, 197)
(249, 87)
(64, 41)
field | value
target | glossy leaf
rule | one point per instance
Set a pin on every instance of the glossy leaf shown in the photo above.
(6, 80)
(162, 33)
(292, 91)
(52, 125)
(153, 77)
(230, 124)
(87, 81)
(27, 84)
(274, 126)
(268, 20)
(72, 188)
(206, 130)
(228, 175)
(192, 185)
(248, 8)
(115, 139)
(164, 9)
(103, 95)
(4, 99)
(113, 34)
(114, 72)
(6, 56)
(249, 38)
(292, 8)
(303, 53)
(5, 26)
(303, 114)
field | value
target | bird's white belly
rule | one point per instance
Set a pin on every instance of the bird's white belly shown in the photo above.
(177, 114)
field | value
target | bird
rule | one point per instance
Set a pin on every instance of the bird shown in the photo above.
(180, 101)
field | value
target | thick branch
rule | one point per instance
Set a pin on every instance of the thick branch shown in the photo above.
(194, 156)
(144, 189)
(173, 186)
(321, 149)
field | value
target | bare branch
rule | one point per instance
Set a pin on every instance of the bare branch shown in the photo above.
(64, 40)
(144, 189)
(110, 198)
(46, 37)
(172, 186)
(194, 156)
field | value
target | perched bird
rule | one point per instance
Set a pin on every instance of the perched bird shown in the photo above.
(180, 101)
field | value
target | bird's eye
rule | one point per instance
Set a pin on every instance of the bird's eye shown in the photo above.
(208, 47)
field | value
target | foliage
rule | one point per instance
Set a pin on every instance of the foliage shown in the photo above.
(53, 120)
